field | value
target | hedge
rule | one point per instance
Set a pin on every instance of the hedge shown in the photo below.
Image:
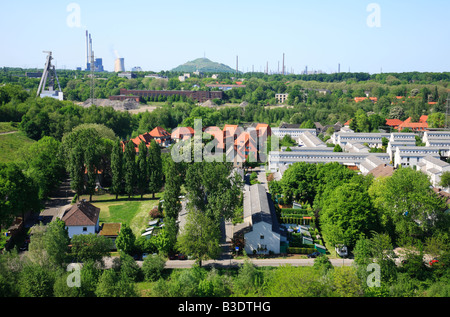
(294, 250)
(294, 211)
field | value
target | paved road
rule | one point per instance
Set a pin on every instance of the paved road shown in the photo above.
(257, 262)
(184, 264)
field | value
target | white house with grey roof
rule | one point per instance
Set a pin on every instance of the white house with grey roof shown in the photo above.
(370, 163)
(401, 137)
(393, 145)
(310, 140)
(434, 168)
(292, 132)
(412, 155)
(260, 229)
(372, 139)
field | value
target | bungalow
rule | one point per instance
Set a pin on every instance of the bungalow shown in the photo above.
(111, 231)
(436, 138)
(81, 218)
(434, 168)
(412, 155)
(260, 228)
(292, 132)
(310, 140)
(372, 139)
(369, 164)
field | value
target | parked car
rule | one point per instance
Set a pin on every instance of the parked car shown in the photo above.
(136, 257)
(181, 257)
(172, 256)
(314, 255)
(144, 255)
(24, 246)
(341, 250)
(434, 261)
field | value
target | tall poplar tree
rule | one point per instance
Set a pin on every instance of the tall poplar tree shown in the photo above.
(172, 206)
(155, 169)
(117, 184)
(130, 169)
(142, 169)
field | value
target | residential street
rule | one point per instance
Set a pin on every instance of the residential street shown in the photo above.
(183, 264)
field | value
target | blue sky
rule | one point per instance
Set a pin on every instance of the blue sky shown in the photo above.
(159, 35)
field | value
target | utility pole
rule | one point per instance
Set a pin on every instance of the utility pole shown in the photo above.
(447, 113)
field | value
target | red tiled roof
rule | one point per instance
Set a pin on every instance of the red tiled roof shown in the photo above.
(393, 122)
(359, 99)
(159, 132)
(422, 125)
(182, 133)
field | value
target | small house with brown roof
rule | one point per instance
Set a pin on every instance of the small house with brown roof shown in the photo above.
(161, 136)
(111, 231)
(81, 218)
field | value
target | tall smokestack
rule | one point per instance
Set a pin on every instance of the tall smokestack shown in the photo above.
(283, 63)
(90, 47)
(87, 50)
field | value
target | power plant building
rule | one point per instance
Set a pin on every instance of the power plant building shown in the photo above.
(119, 65)
(92, 63)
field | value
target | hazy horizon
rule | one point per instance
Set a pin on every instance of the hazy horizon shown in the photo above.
(361, 36)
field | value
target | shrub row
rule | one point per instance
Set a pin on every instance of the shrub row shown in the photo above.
(294, 250)
(291, 220)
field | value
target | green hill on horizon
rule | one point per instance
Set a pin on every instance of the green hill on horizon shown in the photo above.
(203, 65)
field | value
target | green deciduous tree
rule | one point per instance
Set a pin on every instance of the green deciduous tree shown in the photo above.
(153, 267)
(200, 237)
(44, 165)
(90, 247)
(125, 240)
(347, 212)
(406, 204)
(36, 281)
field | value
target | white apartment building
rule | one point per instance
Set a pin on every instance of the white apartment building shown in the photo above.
(412, 155)
(293, 133)
(278, 159)
(372, 139)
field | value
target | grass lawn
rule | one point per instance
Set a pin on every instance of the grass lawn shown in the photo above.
(134, 211)
(8, 126)
(12, 145)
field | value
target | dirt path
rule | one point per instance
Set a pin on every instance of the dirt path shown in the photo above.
(9, 132)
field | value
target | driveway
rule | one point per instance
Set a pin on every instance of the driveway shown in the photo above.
(56, 204)
(263, 179)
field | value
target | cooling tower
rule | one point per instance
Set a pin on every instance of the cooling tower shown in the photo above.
(119, 66)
